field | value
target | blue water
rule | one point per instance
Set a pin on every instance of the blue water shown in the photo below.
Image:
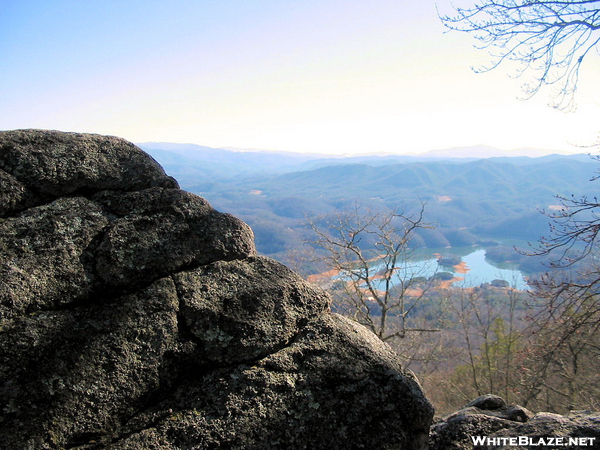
(480, 271)
(483, 271)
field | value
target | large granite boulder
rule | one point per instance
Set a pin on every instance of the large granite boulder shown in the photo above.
(135, 316)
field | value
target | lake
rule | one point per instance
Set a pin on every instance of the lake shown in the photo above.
(478, 270)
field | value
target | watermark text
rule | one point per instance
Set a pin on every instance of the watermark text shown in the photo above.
(526, 441)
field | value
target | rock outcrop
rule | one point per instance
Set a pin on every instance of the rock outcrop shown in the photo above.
(490, 418)
(135, 316)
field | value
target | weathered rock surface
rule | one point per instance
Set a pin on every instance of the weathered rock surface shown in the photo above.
(134, 316)
(490, 417)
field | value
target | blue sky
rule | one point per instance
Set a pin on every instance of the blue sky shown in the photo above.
(335, 76)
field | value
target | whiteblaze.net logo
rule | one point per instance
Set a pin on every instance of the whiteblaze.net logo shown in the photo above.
(526, 441)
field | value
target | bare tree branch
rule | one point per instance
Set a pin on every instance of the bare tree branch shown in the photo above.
(368, 250)
(549, 39)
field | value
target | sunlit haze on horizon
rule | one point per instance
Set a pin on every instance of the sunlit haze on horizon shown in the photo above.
(327, 76)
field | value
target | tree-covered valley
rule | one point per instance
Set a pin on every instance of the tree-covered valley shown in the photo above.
(462, 341)
(494, 202)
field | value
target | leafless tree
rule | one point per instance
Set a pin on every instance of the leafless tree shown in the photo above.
(565, 322)
(560, 367)
(487, 326)
(573, 231)
(368, 253)
(564, 332)
(549, 39)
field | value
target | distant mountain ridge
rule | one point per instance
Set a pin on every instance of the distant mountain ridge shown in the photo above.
(485, 151)
(472, 151)
(197, 160)
(470, 200)
(191, 160)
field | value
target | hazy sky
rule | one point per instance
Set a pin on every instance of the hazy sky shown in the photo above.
(336, 76)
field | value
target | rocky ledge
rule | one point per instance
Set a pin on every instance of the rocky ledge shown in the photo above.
(496, 426)
(135, 316)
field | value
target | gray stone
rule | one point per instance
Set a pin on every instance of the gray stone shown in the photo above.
(576, 424)
(335, 387)
(53, 164)
(488, 401)
(456, 432)
(14, 196)
(134, 316)
(72, 374)
(162, 231)
(241, 310)
(46, 255)
(501, 422)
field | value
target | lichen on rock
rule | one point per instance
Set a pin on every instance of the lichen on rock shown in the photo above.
(133, 315)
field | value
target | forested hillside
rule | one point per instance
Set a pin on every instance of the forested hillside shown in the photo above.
(462, 339)
(470, 201)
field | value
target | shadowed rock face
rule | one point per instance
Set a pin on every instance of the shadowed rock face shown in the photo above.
(133, 316)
